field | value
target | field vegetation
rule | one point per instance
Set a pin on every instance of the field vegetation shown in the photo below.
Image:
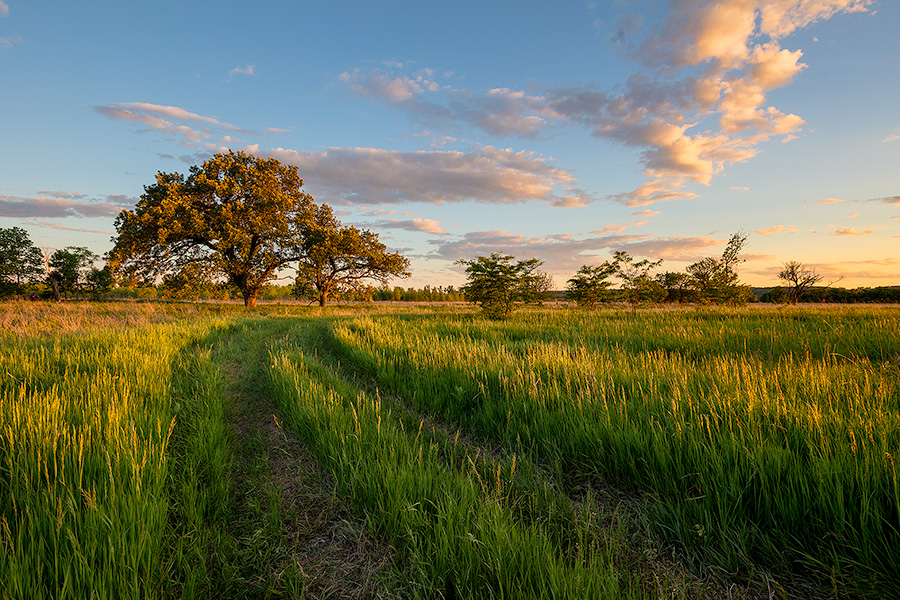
(183, 450)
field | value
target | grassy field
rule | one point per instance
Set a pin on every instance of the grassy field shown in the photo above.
(153, 450)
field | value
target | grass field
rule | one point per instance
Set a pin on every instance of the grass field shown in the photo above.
(153, 450)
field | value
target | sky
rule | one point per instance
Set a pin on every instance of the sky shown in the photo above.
(557, 130)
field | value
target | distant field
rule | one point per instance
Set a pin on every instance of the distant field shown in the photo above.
(425, 452)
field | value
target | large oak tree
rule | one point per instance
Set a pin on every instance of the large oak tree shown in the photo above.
(236, 217)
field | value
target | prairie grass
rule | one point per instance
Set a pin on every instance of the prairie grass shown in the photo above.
(758, 440)
(466, 525)
(92, 400)
(762, 437)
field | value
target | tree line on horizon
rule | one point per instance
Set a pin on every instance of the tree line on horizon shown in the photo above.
(237, 219)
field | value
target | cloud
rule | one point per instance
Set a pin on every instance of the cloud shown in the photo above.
(424, 225)
(696, 106)
(24, 207)
(563, 254)
(4, 9)
(776, 229)
(852, 216)
(7, 42)
(247, 70)
(886, 200)
(893, 136)
(498, 111)
(194, 129)
(64, 228)
(828, 201)
(853, 231)
(62, 194)
(859, 269)
(739, 188)
(370, 176)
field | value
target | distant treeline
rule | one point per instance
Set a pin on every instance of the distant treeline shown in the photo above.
(223, 291)
(838, 295)
(426, 294)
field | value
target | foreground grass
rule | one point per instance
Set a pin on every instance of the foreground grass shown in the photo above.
(461, 521)
(762, 438)
(86, 422)
(138, 456)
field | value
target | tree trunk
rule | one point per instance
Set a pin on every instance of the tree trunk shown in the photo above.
(249, 298)
(323, 299)
(55, 285)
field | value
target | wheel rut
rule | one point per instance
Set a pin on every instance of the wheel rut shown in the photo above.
(296, 538)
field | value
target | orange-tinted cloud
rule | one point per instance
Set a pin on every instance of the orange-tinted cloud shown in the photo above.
(698, 105)
(776, 229)
(423, 225)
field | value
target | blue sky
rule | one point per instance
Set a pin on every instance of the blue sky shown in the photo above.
(557, 130)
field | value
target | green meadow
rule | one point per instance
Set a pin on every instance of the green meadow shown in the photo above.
(154, 450)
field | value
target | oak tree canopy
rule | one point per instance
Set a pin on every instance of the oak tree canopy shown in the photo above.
(241, 218)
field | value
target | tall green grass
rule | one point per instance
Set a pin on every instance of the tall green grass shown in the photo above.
(470, 526)
(87, 420)
(764, 437)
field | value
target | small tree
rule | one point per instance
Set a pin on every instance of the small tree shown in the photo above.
(21, 263)
(798, 279)
(338, 260)
(99, 281)
(537, 289)
(677, 285)
(638, 286)
(69, 269)
(715, 280)
(590, 285)
(497, 284)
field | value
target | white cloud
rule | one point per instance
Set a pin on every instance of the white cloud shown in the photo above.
(246, 70)
(196, 130)
(893, 136)
(739, 188)
(370, 176)
(7, 42)
(4, 9)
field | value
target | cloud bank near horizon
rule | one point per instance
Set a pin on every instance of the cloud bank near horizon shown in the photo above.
(60, 205)
(563, 254)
